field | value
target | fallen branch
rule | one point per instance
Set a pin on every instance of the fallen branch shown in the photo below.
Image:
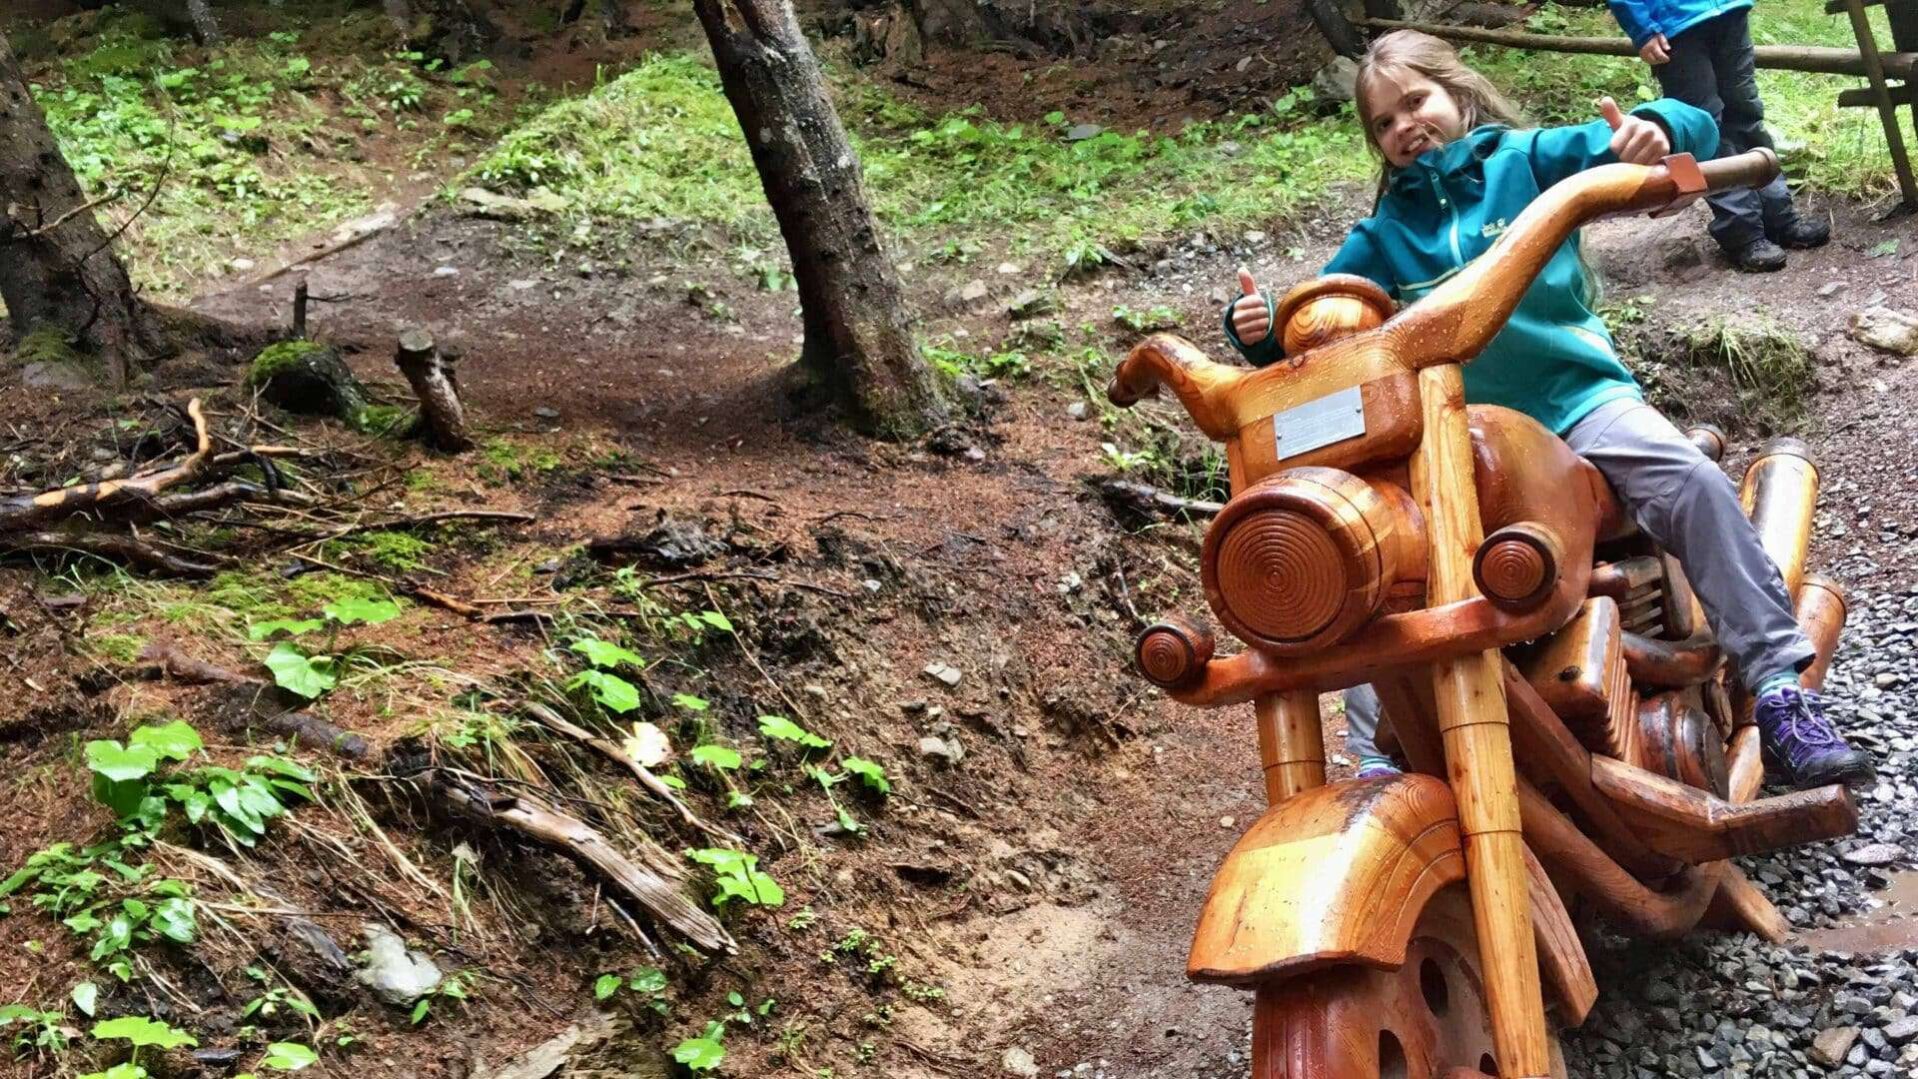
(582, 842)
(741, 575)
(163, 659)
(119, 549)
(1145, 500)
(403, 523)
(19, 514)
(640, 772)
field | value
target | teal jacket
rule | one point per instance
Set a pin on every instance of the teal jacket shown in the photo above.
(1643, 19)
(1554, 360)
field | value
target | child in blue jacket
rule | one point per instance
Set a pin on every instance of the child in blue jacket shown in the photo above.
(1701, 51)
(1457, 172)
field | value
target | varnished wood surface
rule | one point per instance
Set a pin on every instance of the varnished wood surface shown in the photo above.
(1561, 956)
(1780, 494)
(1291, 743)
(1821, 614)
(1694, 826)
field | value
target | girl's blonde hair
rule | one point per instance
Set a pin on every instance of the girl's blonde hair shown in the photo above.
(1403, 51)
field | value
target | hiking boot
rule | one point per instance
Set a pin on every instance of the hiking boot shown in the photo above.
(1804, 744)
(1376, 768)
(1759, 256)
(1801, 233)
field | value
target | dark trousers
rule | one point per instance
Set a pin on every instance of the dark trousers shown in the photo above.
(1713, 68)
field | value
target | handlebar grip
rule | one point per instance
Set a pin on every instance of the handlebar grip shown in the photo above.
(1753, 168)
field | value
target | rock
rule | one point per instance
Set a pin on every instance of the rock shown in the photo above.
(946, 750)
(242, 265)
(1082, 132)
(1900, 1031)
(1886, 329)
(1032, 303)
(1336, 82)
(308, 378)
(1078, 410)
(55, 376)
(521, 284)
(1009, 269)
(969, 293)
(1830, 1047)
(558, 1053)
(1876, 854)
(1018, 1061)
(483, 203)
(974, 454)
(944, 672)
(446, 271)
(396, 974)
(216, 1058)
(1829, 289)
(546, 412)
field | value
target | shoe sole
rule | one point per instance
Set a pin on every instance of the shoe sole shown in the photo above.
(1854, 774)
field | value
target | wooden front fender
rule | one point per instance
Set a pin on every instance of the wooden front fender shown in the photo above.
(1335, 874)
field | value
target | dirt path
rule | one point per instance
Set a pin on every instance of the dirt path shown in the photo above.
(1081, 967)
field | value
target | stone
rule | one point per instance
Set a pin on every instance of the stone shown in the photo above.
(546, 412)
(946, 750)
(1831, 1046)
(396, 974)
(1829, 289)
(1032, 303)
(242, 265)
(1886, 329)
(1018, 1061)
(1078, 410)
(1336, 82)
(1876, 854)
(945, 673)
(1082, 132)
(483, 203)
(309, 378)
(1900, 1031)
(55, 376)
(446, 271)
(556, 1055)
(973, 291)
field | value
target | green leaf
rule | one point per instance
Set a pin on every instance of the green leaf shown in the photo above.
(605, 654)
(289, 1056)
(175, 741)
(716, 620)
(647, 980)
(785, 729)
(282, 767)
(120, 763)
(86, 997)
(174, 920)
(301, 674)
(606, 986)
(292, 627)
(690, 703)
(125, 798)
(700, 1054)
(1889, 247)
(424, 1005)
(715, 756)
(369, 611)
(143, 1031)
(673, 781)
(615, 694)
(721, 858)
(872, 774)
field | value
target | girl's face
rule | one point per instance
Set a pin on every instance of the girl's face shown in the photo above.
(1410, 114)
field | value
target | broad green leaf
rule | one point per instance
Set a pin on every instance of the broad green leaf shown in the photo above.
(124, 798)
(175, 741)
(673, 781)
(420, 1008)
(281, 766)
(120, 763)
(292, 627)
(11, 1013)
(368, 611)
(143, 1031)
(615, 694)
(86, 997)
(648, 980)
(786, 730)
(872, 774)
(720, 858)
(715, 756)
(83, 923)
(289, 1056)
(766, 891)
(173, 918)
(700, 1054)
(606, 654)
(716, 620)
(690, 703)
(606, 986)
(301, 674)
(115, 936)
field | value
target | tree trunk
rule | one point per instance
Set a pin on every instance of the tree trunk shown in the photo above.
(56, 266)
(205, 29)
(448, 29)
(858, 341)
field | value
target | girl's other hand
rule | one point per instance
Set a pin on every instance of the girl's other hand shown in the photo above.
(1635, 140)
(1656, 51)
(1251, 319)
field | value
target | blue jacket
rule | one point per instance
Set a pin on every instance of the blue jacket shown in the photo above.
(1643, 19)
(1554, 360)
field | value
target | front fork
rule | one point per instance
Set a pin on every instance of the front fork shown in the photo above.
(1469, 698)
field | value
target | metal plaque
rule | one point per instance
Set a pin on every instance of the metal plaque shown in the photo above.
(1332, 418)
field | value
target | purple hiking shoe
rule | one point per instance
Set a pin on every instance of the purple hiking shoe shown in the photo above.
(1804, 744)
(1376, 768)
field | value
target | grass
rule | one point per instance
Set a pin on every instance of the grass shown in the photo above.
(661, 141)
(252, 143)
(1831, 149)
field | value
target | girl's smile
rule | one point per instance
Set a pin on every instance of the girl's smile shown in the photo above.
(1409, 114)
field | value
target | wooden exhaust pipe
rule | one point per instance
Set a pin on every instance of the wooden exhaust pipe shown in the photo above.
(1779, 494)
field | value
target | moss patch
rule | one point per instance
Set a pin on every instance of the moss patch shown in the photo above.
(1743, 374)
(280, 359)
(47, 344)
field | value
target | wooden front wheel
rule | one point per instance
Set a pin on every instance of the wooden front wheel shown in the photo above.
(1426, 1020)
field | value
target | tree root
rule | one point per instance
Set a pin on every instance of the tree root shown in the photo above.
(265, 706)
(640, 772)
(580, 841)
(35, 511)
(120, 549)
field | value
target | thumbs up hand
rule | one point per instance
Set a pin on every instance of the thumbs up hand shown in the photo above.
(1251, 317)
(1635, 140)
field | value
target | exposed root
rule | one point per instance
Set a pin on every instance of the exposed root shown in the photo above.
(640, 772)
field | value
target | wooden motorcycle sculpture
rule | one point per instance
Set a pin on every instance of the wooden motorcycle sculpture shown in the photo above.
(1548, 675)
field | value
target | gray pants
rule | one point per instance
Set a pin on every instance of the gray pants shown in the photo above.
(1686, 504)
(1713, 68)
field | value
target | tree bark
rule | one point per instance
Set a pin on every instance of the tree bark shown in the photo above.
(206, 30)
(858, 341)
(57, 268)
(449, 29)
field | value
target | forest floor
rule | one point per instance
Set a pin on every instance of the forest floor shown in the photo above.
(959, 611)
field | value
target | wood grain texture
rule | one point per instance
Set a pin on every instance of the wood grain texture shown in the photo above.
(1780, 494)
(1335, 874)
(1561, 956)
(1291, 743)
(1821, 614)
(1694, 826)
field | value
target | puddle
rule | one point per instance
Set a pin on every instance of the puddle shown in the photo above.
(1890, 928)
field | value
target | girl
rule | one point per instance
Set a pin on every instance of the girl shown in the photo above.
(1457, 171)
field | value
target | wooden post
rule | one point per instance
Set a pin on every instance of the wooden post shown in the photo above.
(1880, 97)
(1780, 494)
(1469, 695)
(299, 309)
(431, 374)
(1291, 743)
